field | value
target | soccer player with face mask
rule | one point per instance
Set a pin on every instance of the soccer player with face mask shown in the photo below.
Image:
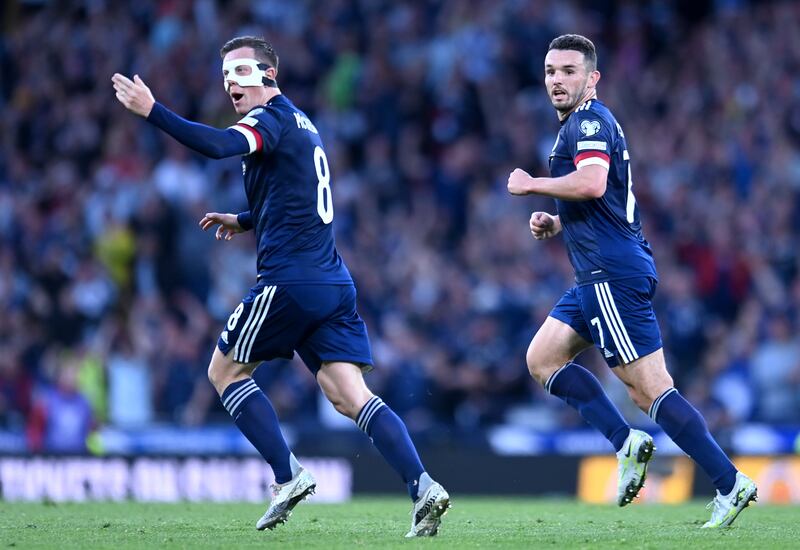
(610, 305)
(304, 299)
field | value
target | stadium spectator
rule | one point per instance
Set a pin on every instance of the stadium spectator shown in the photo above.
(422, 105)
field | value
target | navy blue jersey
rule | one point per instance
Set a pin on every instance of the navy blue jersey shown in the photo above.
(603, 236)
(287, 180)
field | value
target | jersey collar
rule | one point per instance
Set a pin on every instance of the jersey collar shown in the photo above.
(577, 107)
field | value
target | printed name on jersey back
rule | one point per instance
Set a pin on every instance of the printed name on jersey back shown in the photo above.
(304, 123)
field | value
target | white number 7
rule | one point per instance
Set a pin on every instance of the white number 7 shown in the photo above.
(596, 322)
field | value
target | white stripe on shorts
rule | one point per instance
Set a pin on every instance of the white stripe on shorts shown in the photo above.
(610, 324)
(614, 312)
(248, 326)
(260, 322)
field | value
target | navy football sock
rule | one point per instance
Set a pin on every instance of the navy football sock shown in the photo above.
(256, 419)
(579, 388)
(687, 428)
(390, 437)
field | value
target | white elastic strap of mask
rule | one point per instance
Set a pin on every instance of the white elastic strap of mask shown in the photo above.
(255, 78)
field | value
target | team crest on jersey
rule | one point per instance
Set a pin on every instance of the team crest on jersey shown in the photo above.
(590, 127)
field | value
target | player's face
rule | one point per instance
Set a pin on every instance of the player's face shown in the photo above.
(566, 78)
(245, 98)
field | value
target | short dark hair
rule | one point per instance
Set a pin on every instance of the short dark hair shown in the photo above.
(264, 51)
(579, 44)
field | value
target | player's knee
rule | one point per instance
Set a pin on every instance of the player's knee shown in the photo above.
(344, 401)
(215, 376)
(222, 373)
(643, 392)
(344, 386)
(539, 366)
(343, 407)
(639, 398)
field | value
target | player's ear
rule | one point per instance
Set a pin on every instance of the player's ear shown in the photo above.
(594, 78)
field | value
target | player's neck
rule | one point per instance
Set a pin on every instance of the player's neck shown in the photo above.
(270, 93)
(589, 94)
(266, 96)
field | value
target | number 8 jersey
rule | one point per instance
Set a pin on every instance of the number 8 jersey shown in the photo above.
(603, 236)
(287, 180)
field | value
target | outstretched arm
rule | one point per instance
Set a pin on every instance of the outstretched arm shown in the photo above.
(211, 142)
(588, 182)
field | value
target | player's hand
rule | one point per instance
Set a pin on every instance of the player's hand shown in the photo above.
(228, 225)
(543, 225)
(133, 94)
(519, 182)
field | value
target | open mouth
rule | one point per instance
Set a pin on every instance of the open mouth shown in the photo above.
(237, 96)
(559, 93)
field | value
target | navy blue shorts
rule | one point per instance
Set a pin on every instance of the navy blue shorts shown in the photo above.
(320, 322)
(616, 315)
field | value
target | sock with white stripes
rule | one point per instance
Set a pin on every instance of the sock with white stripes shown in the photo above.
(390, 437)
(580, 389)
(687, 428)
(256, 419)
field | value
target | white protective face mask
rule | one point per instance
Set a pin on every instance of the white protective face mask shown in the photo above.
(257, 77)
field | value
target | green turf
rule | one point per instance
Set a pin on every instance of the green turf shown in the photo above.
(380, 522)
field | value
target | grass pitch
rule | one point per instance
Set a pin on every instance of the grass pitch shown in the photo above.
(473, 522)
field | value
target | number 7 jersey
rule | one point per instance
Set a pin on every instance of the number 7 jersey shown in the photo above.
(603, 236)
(287, 180)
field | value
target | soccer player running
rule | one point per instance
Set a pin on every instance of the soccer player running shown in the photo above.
(611, 303)
(304, 299)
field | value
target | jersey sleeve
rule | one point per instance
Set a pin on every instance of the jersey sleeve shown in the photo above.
(261, 128)
(209, 141)
(591, 140)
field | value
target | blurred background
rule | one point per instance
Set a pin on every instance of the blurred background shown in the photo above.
(111, 295)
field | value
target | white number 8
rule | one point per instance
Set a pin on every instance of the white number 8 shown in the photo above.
(324, 194)
(234, 318)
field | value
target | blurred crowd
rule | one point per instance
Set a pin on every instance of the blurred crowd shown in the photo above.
(112, 298)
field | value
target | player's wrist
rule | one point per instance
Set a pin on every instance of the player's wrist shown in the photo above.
(532, 185)
(149, 109)
(245, 220)
(153, 112)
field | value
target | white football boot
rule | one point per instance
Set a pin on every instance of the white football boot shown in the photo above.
(727, 507)
(632, 461)
(432, 503)
(285, 497)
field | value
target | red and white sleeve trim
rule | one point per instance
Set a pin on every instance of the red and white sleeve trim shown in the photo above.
(587, 158)
(251, 135)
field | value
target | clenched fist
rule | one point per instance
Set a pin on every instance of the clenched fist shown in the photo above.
(133, 94)
(544, 226)
(518, 182)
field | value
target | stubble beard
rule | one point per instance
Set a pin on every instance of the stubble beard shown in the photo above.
(564, 108)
